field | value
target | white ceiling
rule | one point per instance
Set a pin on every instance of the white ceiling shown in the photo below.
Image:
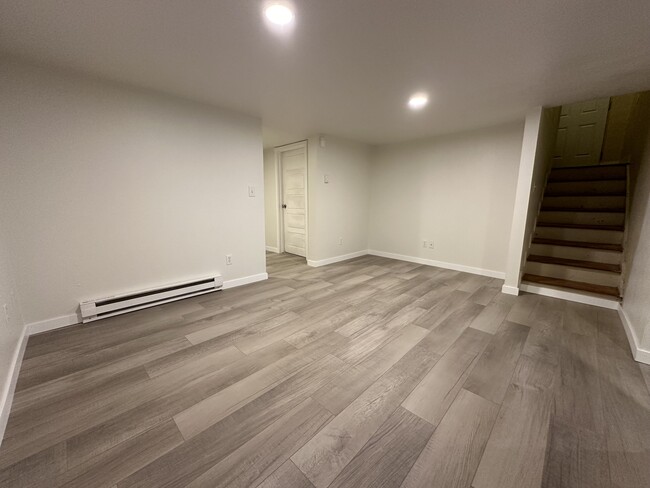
(350, 65)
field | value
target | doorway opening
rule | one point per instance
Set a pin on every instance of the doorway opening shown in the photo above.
(286, 204)
(595, 132)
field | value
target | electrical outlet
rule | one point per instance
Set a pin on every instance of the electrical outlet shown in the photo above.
(430, 244)
(228, 259)
(5, 307)
(424, 244)
(340, 241)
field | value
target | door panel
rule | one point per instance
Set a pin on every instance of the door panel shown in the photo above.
(295, 221)
(294, 198)
(580, 133)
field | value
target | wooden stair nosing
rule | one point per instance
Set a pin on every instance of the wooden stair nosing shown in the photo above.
(564, 225)
(611, 291)
(588, 245)
(558, 194)
(575, 263)
(553, 179)
(587, 210)
(590, 166)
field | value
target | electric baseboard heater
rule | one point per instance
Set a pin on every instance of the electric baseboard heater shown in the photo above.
(129, 302)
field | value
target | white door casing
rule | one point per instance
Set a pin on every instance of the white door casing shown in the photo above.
(292, 160)
(580, 133)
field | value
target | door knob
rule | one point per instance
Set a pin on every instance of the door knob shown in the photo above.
(284, 205)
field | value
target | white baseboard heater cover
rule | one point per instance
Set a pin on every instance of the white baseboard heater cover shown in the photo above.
(129, 302)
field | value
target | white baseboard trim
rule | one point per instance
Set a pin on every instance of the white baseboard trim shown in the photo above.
(335, 259)
(245, 280)
(639, 354)
(67, 320)
(440, 264)
(609, 303)
(272, 249)
(510, 290)
(17, 360)
(8, 393)
(51, 324)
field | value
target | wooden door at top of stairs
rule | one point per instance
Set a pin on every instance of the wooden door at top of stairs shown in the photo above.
(580, 133)
(293, 163)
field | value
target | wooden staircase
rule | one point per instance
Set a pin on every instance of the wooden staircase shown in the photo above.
(578, 240)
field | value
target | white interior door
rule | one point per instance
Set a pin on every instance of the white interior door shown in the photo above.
(293, 164)
(580, 133)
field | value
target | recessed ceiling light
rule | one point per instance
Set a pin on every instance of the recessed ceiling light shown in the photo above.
(279, 14)
(418, 101)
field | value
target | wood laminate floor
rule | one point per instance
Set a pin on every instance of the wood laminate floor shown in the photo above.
(366, 373)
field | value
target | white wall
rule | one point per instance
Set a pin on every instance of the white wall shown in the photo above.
(616, 138)
(338, 209)
(540, 129)
(11, 330)
(106, 189)
(271, 204)
(456, 190)
(636, 305)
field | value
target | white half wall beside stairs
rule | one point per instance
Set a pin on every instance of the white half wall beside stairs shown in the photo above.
(537, 144)
(640, 350)
(636, 293)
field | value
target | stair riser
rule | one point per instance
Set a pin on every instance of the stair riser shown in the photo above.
(592, 187)
(607, 257)
(581, 288)
(574, 274)
(585, 202)
(604, 236)
(592, 218)
(593, 173)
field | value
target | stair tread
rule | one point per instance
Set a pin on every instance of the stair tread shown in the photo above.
(619, 228)
(553, 179)
(574, 285)
(589, 173)
(569, 193)
(590, 166)
(576, 263)
(589, 245)
(589, 210)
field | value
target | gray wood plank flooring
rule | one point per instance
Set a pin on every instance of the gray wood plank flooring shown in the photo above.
(366, 373)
